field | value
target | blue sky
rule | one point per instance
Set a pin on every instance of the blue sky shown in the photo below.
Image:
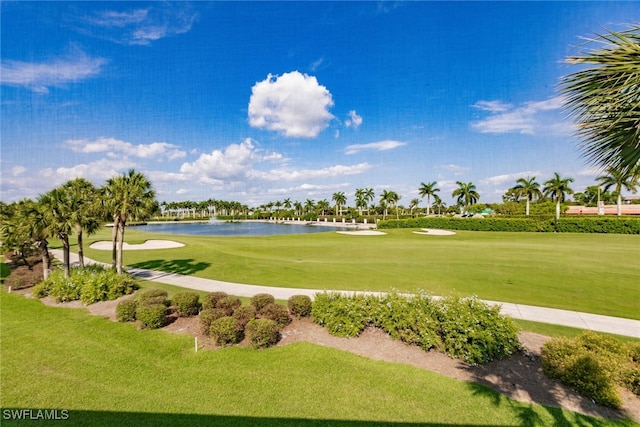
(259, 101)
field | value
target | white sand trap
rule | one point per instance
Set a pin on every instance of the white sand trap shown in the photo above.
(435, 232)
(362, 233)
(149, 244)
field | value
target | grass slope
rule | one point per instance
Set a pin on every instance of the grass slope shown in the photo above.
(584, 272)
(107, 373)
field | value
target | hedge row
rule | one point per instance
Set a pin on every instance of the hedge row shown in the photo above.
(464, 328)
(595, 365)
(571, 224)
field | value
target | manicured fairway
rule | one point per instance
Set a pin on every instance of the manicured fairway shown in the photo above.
(584, 272)
(107, 373)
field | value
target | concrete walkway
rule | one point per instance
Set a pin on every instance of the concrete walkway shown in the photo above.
(594, 322)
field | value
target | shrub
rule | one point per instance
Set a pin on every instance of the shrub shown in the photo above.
(225, 331)
(276, 312)
(300, 305)
(126, 310)
(229, 304)
(187, 303)
(244, 314)
(344, 316)
(152, 316)
(262, 332)
(153, 293)
(211, 299)
(102, 284)
(207, 317)
(259, 301)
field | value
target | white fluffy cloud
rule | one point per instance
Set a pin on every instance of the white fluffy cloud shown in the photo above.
(115, 148)
(354, 120)
(509, 178)
(232, 163)
(293, 104)
(530, 118)
(308, 174)
(376, 146)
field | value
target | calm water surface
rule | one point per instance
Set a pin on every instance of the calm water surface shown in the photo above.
(221, 228)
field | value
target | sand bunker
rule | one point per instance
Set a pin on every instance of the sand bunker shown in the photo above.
(149, 244)
(362, 233)
(435, 232)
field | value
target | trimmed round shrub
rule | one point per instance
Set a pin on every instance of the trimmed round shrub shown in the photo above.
(211, 299)
(225, 331)
(187, 303)
(276, 312)
(300, 305)
(153, 297)
(207, 317)
(152, 316)
(244, 314)
(262, 332)
(126, 310)
(259, 301)
(229, 304)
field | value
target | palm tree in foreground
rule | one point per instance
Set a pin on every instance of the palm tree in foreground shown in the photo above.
(604, 100)
(466, 194)
(618, 179)
(557, 187)
(428, 190)
(83, 208)
(527, 188)
(341, 199)
(59, 219)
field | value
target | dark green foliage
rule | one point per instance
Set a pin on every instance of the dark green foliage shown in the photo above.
(262, 332)
(211, 299)
(300, 305)
(276, 312)
(244, 314)
(229, 304)
(208, 316)
(594, 364)
(152, 316)
(343, 316)
(154, 296)
(225, 331)
(126, 310)
(187, 303)
(259, 301)
(91, 284)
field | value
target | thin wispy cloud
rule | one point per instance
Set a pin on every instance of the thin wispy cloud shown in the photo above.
(373, 146)
(456, 169)
(510, 178)
(116, 148)
(493, 106)
(354, 120)
(41, 76)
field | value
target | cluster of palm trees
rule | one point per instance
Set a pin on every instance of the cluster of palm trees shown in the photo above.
(77, 207)
(204, 209)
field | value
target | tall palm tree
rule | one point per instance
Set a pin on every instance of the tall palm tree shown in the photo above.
(466, 194)
(309, 205)
(341, 199)
(361, 202)
(84, 209)
(527, 188)
(127, 196)
(413, 204)
(557, 187)
(369, 196)
(389, 198)
(59, 219)
(604, 100)
(428, 190)
(438, 203)
(618, 179)
(323, 205)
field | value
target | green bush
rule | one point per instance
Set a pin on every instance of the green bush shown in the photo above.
(208, 316)
(229, 304)
(300, 305)
(244, 314)
(262, 333)
(152, 316)
(343, 316)
(211, 299)
(126, 310)
(276, 312)
(259, 301)
(225, 331)
(187, 303)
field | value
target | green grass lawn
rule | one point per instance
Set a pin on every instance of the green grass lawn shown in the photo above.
(595, 273)
(107, 373)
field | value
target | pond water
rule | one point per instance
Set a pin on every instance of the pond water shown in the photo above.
(242, 228)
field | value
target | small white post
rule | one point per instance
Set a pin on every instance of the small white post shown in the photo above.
(196, 344)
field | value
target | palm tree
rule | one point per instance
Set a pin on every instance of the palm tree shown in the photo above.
(466, 194)
(323, 205)
(389, 198)
(438, 203)
(361, 202)
(309, 205)
(59, 220)
(368, 195)
(83, 207)
(557, 187)
(604, 100)
(428, 190)
(127, 196)
(527, 188)
(340, 200)
(413, 204)
(620, 178)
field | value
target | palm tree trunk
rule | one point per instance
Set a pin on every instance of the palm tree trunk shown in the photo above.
(80, 248)
(428, 204)
(46, 260)
(527, 206)
(558, 209)
(619, 203)
(65, 255)
(114, 240)
(120, 248)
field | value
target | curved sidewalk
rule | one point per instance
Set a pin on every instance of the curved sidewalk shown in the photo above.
(594, 322)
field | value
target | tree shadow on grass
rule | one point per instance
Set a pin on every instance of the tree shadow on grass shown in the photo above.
(178, 266)
(142, 419)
